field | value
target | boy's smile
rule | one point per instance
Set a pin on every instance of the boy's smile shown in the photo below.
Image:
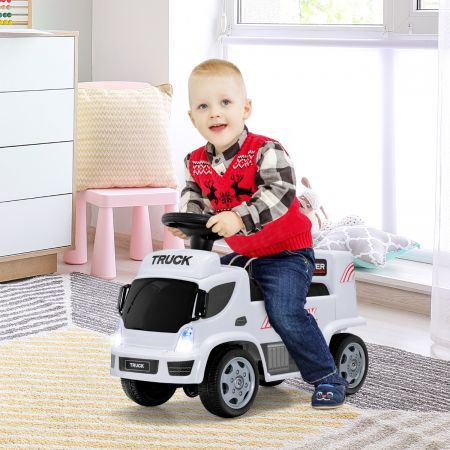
(217, 128)
(219, 108)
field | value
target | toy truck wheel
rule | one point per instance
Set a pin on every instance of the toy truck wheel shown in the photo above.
(230, 383)
(147, 394)
(351, 358)
(269, 383)
(191, 390)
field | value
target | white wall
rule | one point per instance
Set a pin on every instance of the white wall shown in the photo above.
(161, 44)
(130, 40)
(194, 28)
(69, 15)
(156, 41)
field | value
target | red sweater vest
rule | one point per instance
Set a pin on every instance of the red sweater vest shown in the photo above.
(291, 231)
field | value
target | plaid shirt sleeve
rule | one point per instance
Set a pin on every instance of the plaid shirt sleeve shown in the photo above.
(276, 184)
(192, 200)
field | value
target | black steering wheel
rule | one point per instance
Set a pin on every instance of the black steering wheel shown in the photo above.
(193, 226)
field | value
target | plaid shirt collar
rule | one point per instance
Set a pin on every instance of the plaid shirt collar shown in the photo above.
(229, 153)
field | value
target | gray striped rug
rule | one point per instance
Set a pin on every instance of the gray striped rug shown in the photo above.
(33, 306)
(399, 380)
(94, 303)
(387, 430)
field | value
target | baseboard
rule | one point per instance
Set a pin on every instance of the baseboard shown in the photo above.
(28, 267)
(402, 285)
(390, 297)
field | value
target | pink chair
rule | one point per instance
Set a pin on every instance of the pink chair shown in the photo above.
(103, 258)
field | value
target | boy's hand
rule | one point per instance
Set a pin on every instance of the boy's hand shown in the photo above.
(176, 232)
(226, 223)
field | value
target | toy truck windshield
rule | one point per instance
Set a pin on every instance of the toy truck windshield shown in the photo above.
(159, 304)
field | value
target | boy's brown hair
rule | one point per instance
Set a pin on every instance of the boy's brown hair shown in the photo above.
(215, 67)
(218, 67)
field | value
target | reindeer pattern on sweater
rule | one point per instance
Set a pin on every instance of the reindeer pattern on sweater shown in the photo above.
(274, 179)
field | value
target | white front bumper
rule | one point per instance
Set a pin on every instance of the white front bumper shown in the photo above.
(130, 362)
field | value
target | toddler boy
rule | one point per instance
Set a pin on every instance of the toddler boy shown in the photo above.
(247, 181)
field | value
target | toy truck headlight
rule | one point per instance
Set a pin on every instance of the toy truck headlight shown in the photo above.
(117, 336)
(185, 340)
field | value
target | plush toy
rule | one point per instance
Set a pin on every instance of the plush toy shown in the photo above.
(311, 207)
(351, 220)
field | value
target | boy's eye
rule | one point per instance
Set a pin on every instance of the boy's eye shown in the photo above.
(226, 102)
(202, 106)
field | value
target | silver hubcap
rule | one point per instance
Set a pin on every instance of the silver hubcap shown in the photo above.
(237, 383)
(352, 364)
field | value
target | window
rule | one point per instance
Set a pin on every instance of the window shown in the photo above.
(424, 5)
(218, 298)
(311, 12)
(358, 116)
(300, 17)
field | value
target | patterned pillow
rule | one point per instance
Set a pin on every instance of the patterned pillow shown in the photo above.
(123, 138)
(370, 247)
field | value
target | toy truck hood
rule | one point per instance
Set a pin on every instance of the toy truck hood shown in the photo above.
(195, 264)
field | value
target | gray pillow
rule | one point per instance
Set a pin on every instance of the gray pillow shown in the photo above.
(370, 247)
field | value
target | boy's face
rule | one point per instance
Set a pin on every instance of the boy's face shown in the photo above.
(219, 108)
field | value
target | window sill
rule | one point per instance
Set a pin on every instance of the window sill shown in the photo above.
(402, 285)
(369, 41)
(400, 274)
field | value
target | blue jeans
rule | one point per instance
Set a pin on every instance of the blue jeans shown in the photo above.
(284, 279)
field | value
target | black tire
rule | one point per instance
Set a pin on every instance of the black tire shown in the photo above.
(145, 393)
(191, 390)
(232, 372)
(351, 358)
(263, 382)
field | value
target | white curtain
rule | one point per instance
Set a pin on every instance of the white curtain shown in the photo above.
(440, 300)
(356, 118)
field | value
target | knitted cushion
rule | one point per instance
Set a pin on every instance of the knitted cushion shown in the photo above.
(123, 138)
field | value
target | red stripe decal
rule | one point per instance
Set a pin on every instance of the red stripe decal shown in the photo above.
(266, 324)
(348, 273)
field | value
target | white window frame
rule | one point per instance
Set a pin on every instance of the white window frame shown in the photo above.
(400, 17)
(409, 20)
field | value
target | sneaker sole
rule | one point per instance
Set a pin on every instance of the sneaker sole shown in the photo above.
(328, 407)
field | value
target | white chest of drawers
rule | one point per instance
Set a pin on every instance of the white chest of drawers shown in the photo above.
(38, 76)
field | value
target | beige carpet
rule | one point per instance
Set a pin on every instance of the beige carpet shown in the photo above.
(56, 392)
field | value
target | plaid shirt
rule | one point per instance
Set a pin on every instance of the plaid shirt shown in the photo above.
(275, 182)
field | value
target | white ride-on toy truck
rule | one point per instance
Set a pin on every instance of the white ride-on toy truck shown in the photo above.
(188, 321)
